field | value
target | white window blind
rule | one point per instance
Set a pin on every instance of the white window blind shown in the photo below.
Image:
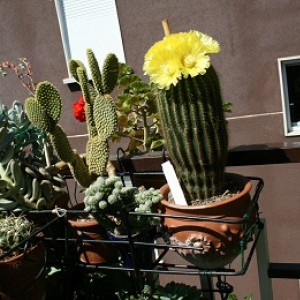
(90, 24)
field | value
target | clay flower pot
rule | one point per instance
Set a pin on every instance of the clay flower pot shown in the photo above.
(215, 244)
(22, 276)
(90, 229)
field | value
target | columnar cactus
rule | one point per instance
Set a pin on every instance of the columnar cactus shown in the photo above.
(191, 111)
(197, 145)
(44, 110)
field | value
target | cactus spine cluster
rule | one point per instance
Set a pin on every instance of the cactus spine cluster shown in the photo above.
(193, 124)
(107, 197)
(13, 230)
(44, 110)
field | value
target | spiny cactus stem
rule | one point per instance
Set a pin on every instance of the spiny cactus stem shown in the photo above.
(83, 81)
(198, 142)
(96, 74)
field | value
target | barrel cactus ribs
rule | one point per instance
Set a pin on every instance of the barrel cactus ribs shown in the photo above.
(199, 155)
(191, 111)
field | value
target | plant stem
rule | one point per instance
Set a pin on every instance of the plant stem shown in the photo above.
(146, 131)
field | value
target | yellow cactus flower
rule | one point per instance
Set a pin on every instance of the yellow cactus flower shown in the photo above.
(178, 56)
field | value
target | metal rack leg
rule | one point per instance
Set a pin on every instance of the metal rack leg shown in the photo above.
(262, 253)
(207, 286)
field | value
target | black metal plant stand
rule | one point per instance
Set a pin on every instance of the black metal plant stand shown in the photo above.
(72, 267)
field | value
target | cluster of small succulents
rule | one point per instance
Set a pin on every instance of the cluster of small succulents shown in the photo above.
(25, 180)
(107, 197)
(20, 138)
(24, 186)
(138, 121)
(13, 230)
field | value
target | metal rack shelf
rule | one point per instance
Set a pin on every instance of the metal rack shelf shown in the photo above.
(62, 255)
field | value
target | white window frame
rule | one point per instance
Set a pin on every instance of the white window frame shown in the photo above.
(289, 128)
(69, 44)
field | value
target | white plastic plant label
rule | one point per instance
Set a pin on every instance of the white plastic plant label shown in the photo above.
(173, 182)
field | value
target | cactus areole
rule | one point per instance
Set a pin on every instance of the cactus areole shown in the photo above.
(191, 111)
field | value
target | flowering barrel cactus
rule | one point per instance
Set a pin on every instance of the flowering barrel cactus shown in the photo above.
(191, 111)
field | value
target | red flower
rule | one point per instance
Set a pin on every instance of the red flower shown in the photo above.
(78, 110)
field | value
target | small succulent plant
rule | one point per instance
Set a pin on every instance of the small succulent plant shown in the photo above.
(26, 180)
(107, 197)
(13, 230)
(138, 120)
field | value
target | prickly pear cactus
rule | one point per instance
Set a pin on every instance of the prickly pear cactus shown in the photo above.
(44, 111)
(100, 111)
(45, 114)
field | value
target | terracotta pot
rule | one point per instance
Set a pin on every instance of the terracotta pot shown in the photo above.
(215, 244)
(19, 274)
(89, 229)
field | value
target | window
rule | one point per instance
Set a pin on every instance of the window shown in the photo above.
(89, 24)
(289, 73)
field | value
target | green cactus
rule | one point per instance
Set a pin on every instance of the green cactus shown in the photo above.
(197, 144)
(44, 110)
(105, 198)
(13, 230)
(100, 111)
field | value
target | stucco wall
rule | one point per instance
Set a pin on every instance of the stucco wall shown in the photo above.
(252, 35)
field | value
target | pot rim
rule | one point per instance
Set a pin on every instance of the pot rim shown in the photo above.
(247, 188)
(38, 246)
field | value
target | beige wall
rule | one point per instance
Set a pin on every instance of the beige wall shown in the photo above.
(252, 35)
